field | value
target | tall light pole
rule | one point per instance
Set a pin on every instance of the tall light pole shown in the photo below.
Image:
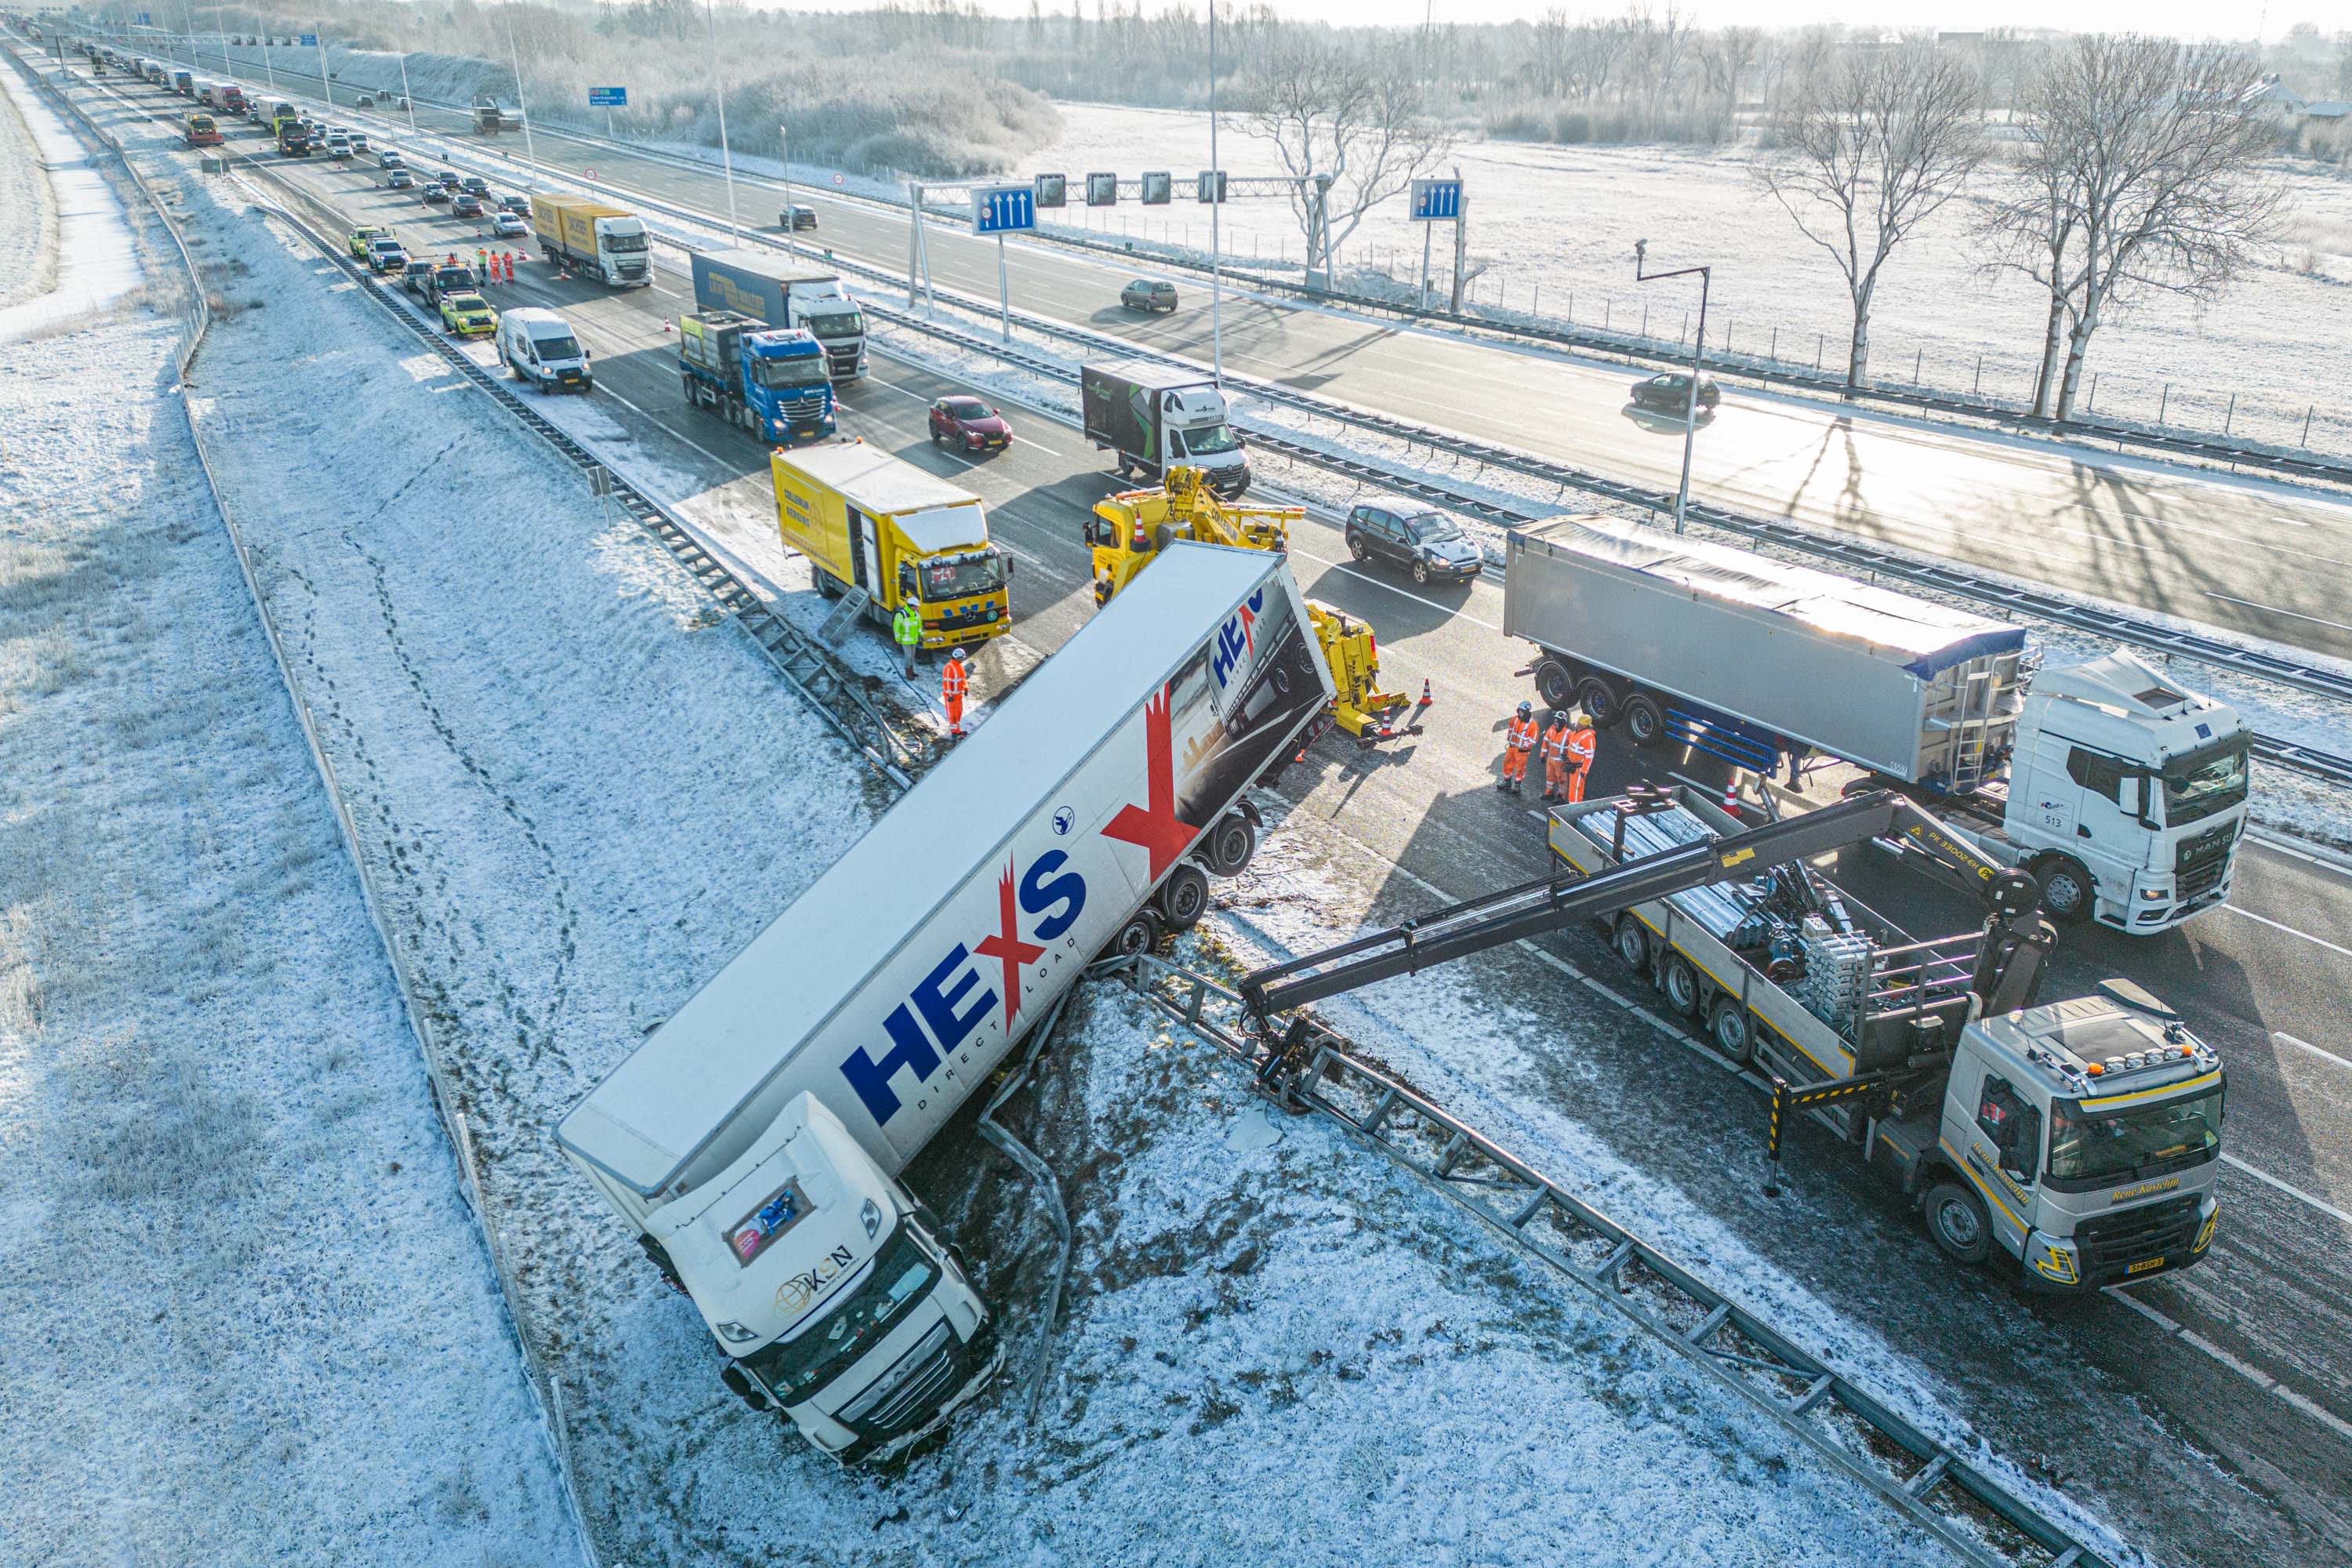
(521, 109)
(1216, 211)
(408, 98)
(1698, 355)
(719, 83)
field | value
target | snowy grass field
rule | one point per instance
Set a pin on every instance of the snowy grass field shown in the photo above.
(245, 1314)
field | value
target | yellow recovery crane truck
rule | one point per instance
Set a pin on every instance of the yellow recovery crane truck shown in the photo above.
(1129, 530)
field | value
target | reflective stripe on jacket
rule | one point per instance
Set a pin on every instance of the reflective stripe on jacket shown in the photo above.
(951, 682)
(1521, 735)
(1580, 747)
(1555, 744)
(907, 625)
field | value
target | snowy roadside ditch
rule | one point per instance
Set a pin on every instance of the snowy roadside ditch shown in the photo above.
(577, 801)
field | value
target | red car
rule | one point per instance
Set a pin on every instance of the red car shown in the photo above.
(969, 423)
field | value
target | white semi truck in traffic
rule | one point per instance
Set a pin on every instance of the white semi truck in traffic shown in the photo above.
(1153, 417)
(2121, 791)
(752, 1143)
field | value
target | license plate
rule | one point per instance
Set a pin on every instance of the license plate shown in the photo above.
(2145, 1265)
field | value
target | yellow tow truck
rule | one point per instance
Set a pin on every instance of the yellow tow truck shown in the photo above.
(1129, 530)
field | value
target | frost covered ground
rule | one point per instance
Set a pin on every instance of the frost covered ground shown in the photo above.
(579, 789)
(245, 1314)
(57, 203)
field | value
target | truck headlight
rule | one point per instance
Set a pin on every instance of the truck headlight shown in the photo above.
(870, 1216)
(2155, 894)
(735, 1333)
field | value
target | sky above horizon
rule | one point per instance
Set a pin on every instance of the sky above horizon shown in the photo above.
(2178, 17)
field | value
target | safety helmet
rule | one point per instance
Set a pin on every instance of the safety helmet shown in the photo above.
(955, 653)
(1556, 717)
(1525, 708)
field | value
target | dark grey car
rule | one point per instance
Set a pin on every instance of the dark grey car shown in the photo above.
(1429, 544)
(1149, 294)
(1670, 392)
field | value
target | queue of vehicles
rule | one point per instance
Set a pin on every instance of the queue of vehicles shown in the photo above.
(758, 1167)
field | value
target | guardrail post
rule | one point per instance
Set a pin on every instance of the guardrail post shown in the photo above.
(2233, 414)
(1820, 340)
(2163, 401)
(1645, 317)
(2091, 401)
(2305, 442)
(1975, 387)
(1773, 354)
(1919, 359)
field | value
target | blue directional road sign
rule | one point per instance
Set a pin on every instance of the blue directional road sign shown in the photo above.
(608, 97)
(1003, 209)
(1436, 201)
(309, 40)
(143, 22)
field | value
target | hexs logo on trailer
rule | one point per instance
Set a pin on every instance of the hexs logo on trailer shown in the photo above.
(952, 1001)
(1238, 640)
(943, 1009)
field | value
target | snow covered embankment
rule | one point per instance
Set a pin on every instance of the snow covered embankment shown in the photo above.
(244, 1315)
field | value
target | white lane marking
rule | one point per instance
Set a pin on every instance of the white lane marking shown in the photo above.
(2275, 610)
(2292, 522)
(2252, 1375)
(2280, 1039)
(2322, 1204)
(686, 441)
(2280, 925)
(1401, 592)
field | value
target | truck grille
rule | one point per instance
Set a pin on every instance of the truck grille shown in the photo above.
(918, 1395)
(2111, 1244)
(2199, 862)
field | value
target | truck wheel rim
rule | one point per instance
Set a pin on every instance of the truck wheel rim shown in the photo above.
(1731, 1034)
(1631, 947)
(1681, 987)
(2062, 892)
(1958, 1223)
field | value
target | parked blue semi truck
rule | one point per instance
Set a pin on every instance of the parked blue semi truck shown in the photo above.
(771, 383)
(771, 289)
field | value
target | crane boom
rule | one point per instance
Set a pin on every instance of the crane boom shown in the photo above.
(2008, 967)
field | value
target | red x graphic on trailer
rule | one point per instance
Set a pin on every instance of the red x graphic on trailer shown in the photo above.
(1007, 946)
(1155, 827)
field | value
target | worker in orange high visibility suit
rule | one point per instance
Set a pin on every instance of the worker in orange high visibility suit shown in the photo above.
(1518, 743)
(1582, 744)
(951, 689)
(1555, 756)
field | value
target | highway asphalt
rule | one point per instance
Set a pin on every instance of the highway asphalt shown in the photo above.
(2260, 557)
(2175, 1413)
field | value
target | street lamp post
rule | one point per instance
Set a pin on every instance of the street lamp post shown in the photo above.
(1698, 356)
(1216, 211)
(719, 82)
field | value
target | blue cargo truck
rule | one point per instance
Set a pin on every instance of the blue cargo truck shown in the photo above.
(772, 290)
(771, 383)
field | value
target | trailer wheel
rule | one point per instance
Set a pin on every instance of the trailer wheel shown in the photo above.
(826, 588)
(1681, 985)
(1599, 700)
(1632, 943)
(1140, 935)
(1734, 1037)
(1644, 719)
(1554, 684)
(1958, 1224)
(1184, 897)
(1232, 844)
(2066, 888)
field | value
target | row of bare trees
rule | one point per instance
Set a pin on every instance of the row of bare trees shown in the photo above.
(2137, 174)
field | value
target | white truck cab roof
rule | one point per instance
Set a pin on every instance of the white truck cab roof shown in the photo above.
(2115, 1044)
(2115, 699)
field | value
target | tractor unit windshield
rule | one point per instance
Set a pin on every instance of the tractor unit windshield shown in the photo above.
(2205, 781)
(782, 374)
(2088, 1151)
(961, 576)
(794, 1369)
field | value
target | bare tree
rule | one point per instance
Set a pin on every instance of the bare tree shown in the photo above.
(1348, 121)
(1868, 150)
(2141, 175)
(1727, 57)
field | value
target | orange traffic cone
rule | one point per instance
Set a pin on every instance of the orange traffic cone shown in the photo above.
(1426, 697)
(668, 327)
(1731, 794)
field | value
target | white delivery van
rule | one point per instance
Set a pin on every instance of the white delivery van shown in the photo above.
(539, 347)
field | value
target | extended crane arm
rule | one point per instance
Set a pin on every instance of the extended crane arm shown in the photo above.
(2007, 967)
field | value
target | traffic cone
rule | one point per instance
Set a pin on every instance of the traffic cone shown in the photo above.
(668, 327)
(1426, 697)
(1731, 794)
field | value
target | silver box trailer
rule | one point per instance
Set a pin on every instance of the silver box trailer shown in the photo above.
(1795, 659)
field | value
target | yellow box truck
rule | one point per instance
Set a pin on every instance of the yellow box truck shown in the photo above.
(867, 519)
(604, 242)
